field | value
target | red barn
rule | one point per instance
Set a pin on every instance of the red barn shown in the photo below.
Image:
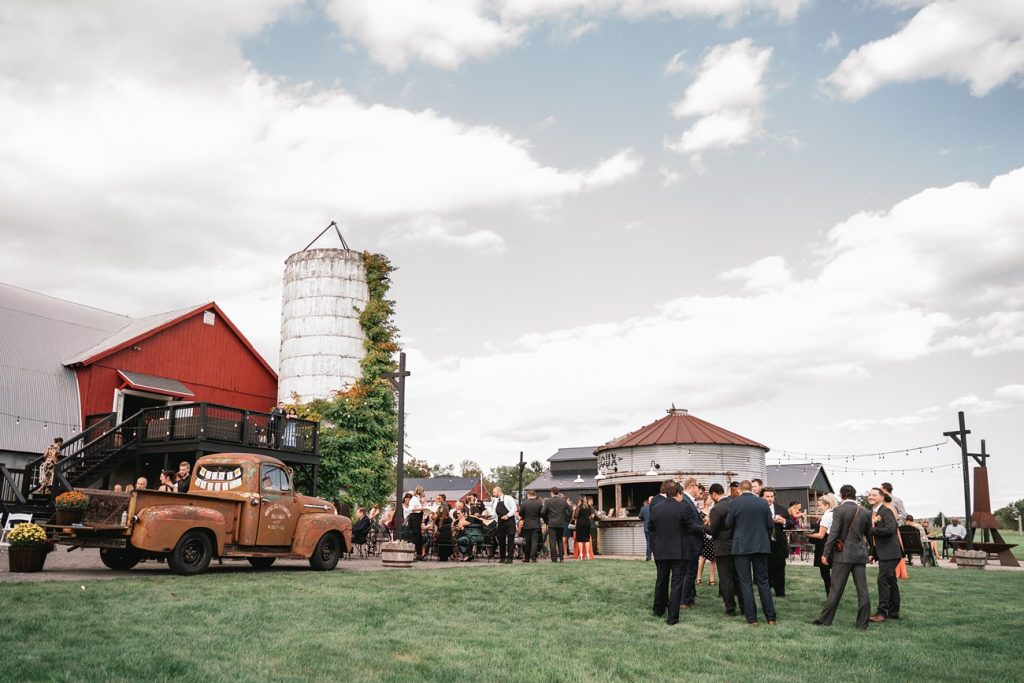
(131, 396)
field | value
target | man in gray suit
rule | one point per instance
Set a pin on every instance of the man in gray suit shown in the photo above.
(848, 545)
(553, 512)
(888, 552)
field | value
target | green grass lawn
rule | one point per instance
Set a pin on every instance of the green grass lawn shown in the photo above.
(573, 622)
(1014, 537)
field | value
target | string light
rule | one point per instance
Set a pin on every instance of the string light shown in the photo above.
(788, 453)
(46, 422)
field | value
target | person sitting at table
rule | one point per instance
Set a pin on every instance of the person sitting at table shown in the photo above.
(924, 538)
(472, 526)
(954, 531)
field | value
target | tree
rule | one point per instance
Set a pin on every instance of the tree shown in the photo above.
(442, 470)
(415, 469)
(507, 476)
(1009, 515)
(469, 468)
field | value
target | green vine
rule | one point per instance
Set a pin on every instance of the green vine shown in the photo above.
(358, 427)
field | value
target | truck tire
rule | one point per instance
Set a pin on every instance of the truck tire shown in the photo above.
(192, 554)
(261, 562)
(327, 553)
(119, 559)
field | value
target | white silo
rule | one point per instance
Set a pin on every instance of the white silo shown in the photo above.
(321, 340)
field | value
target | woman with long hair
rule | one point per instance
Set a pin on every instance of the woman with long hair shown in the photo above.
(826, 504)
(167, 481)
(707, 550)
(583, 518)
(443, 525)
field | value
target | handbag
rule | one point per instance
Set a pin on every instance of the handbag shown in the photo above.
(840, 544)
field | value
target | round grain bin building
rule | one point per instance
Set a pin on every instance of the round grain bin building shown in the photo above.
(321, 340)
(677, 446)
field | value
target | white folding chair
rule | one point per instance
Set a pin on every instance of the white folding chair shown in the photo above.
(12, 520)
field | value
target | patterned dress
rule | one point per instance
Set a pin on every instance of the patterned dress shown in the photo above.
(47, 468)
(707, 550)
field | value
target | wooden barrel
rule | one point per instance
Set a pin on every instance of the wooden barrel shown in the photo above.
(971, 559)
(397, 554)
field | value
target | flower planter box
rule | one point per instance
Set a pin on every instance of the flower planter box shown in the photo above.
(69, 517)
(25, 559)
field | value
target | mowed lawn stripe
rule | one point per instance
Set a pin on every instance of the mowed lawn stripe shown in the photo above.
(581, 621)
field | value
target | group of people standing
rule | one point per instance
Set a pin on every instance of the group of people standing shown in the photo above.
(500, 524)
(749, 548)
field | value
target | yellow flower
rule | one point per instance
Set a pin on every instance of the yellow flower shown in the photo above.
(26, 533)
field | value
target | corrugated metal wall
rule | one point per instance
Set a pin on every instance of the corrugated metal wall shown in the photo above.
(746, 462)
(622, 539)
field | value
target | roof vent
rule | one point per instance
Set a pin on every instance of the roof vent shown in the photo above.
(209, 317)
(677, 411)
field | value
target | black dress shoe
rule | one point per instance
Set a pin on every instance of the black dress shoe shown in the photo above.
(655, 613)
(818, 623)
(670, 622)
(730, 613)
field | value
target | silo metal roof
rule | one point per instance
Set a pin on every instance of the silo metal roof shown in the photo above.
(679, 427)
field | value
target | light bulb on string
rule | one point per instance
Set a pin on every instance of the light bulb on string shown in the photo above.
(44, 425)
(17, 420)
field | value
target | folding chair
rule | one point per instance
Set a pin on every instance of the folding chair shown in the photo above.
(12, 520)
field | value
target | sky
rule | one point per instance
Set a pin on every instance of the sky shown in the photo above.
(801, 220)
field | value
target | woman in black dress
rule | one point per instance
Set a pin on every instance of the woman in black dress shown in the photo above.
(707, 550)
(443, 524)
(583, 518)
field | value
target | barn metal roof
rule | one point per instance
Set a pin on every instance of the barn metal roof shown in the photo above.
(577, 453)
(566, 482)
(126, 333)
(160, 385)
(36, 333)
(679, 427)
(798, 476)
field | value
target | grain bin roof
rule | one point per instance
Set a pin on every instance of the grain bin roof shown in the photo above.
(679, 427)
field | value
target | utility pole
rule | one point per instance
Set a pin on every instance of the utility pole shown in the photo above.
(521, 466)
(397, 380)
(960, 438)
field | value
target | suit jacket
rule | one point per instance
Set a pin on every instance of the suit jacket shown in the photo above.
(692, 530)
(851, 523)
(883, 533)
(721, 533)
(645, 516)
(658, 500)
(751, 525)
(552, 511)
(778, 537)
(530, 513)
(666, 525)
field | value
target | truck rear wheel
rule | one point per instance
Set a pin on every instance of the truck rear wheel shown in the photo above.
(119, 559)
(327, 553)
(192, 554)
(261, 562)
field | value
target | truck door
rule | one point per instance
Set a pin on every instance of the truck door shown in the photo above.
(277, 507)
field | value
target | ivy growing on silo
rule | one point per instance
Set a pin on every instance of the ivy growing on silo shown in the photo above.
(358, 427)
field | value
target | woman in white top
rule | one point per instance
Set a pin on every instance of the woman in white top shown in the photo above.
(826, 504)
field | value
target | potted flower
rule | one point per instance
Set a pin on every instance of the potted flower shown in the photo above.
(29, 547)
(70, 507)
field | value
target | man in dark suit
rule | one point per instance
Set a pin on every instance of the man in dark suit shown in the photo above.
(722, 536)
(751, 525)
(692, 540)
(552, 511)
(851, 524)
(666, 528)
(663, 495)
(887, 550)
(780, 543)
(529, 513)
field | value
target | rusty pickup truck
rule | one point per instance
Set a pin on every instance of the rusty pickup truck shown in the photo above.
(238, 506)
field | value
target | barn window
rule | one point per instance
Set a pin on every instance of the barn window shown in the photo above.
(209, 317)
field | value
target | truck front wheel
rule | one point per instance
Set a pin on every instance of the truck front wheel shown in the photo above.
(119, 559)
(192, 554)
(327, 553)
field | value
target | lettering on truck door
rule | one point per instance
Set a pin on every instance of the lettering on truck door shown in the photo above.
(277, 507)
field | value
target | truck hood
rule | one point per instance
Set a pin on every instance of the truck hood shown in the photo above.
(311, 504)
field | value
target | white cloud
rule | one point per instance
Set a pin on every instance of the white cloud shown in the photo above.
(972, 403)
(443, 33)
(676, 64)
(726, 96)
(446, 33)
(154, 132)
(978, 42)
(771, 272)
(885, 290)
(1011, 392)
(831, 43)
(431, 229)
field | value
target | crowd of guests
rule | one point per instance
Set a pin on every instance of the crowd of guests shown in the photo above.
(742, 535)
(499, 527)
